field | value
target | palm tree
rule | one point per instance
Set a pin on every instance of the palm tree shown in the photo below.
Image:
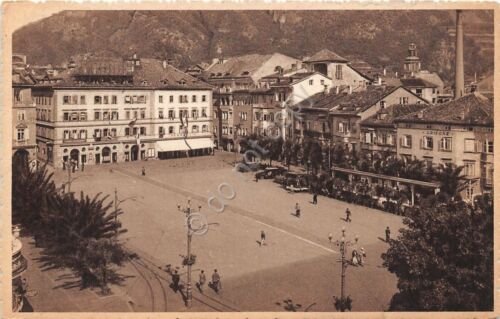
(32, 191)
(451, 179)
(74, 223)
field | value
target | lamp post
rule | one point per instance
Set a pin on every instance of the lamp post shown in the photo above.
(189, 259)
(344, 303)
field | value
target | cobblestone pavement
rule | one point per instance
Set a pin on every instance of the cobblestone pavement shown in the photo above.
(297, 262)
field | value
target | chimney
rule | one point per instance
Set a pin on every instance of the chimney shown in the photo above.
(459, 57)
(164, 63)
(379, 80)
(336, 90)
(396, 74)
(385, 71)
(350, 89)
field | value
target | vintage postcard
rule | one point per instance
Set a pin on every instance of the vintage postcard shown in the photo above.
(249, 160)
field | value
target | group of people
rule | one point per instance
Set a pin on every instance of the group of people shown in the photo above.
(73, 165)
(215, 284)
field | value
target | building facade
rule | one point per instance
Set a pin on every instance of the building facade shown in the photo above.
(110, 110)
(337, 69)
(458, 132)
(379, 131)
(24, 146)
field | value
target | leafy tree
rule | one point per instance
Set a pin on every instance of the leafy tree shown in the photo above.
(287, 153)
(451, 178)
(315, 156)
(443, 258)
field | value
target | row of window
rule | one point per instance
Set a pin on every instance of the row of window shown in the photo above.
(42, 100)
(113, 99)
(43, 114)
(81, 134)
(382, 139)
(183, 98)
(171, 129)
(239, 131)
(445, 143)
(264, 116)
(136, 114)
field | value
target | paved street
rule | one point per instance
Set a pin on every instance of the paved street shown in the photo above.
(297, 262)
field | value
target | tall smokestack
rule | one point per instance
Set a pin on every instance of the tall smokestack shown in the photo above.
(459, 58)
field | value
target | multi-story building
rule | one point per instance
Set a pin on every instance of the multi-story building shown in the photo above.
(114, 110)
(458, 132)
(426, 90)
(338, 116)
(24, 146)
(337, 69)
(236, 83)
(379, 132)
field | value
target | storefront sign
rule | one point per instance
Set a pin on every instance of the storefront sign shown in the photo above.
(437, 133)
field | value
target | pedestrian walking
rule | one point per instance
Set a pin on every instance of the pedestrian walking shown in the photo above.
(315, 198)
(83, 166)
(143, 171)
(362, 256)
(73, 166)
(216, 281)
(175, 280)
(262, 238)
(348, 215)
(202, 280)
(330, 237)
(256, 178)
(387, 234)
(297, 210)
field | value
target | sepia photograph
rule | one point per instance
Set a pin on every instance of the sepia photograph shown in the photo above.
(206, 161)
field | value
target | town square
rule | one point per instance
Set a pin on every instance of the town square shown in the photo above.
(288, 177)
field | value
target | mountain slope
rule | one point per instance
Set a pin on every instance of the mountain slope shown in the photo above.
(378, 37)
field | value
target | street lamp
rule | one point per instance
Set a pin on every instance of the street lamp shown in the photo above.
(189, 260)
(344, 303)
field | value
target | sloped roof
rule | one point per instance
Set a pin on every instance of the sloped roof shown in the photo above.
(345, 103)
(471, 109)
(244, 65)
(326, 55)
(431, 77)
(152, 73)
(155, 74)
(385, 117)
(22, 77)
(417, 82)
(102, 66)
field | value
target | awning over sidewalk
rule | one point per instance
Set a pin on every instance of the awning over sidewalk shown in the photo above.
(183, 145)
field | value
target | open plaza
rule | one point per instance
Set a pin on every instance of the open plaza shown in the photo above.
(297, 262)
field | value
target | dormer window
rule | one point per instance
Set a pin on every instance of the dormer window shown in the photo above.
(144, 82)
(164, 82)
(245, 73)
(182, 82)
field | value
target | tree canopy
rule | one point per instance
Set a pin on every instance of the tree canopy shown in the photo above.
(443, 258)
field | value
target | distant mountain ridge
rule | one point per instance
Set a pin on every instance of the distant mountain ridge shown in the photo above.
(187, 37)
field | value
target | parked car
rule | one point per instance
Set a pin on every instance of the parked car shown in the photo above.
(270, 172)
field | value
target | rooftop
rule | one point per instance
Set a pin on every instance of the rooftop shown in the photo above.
(344, 102)
(326, 55)
(244, 65)
(417, 82)
(113, 72)
(471, 109)
(385, 117)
